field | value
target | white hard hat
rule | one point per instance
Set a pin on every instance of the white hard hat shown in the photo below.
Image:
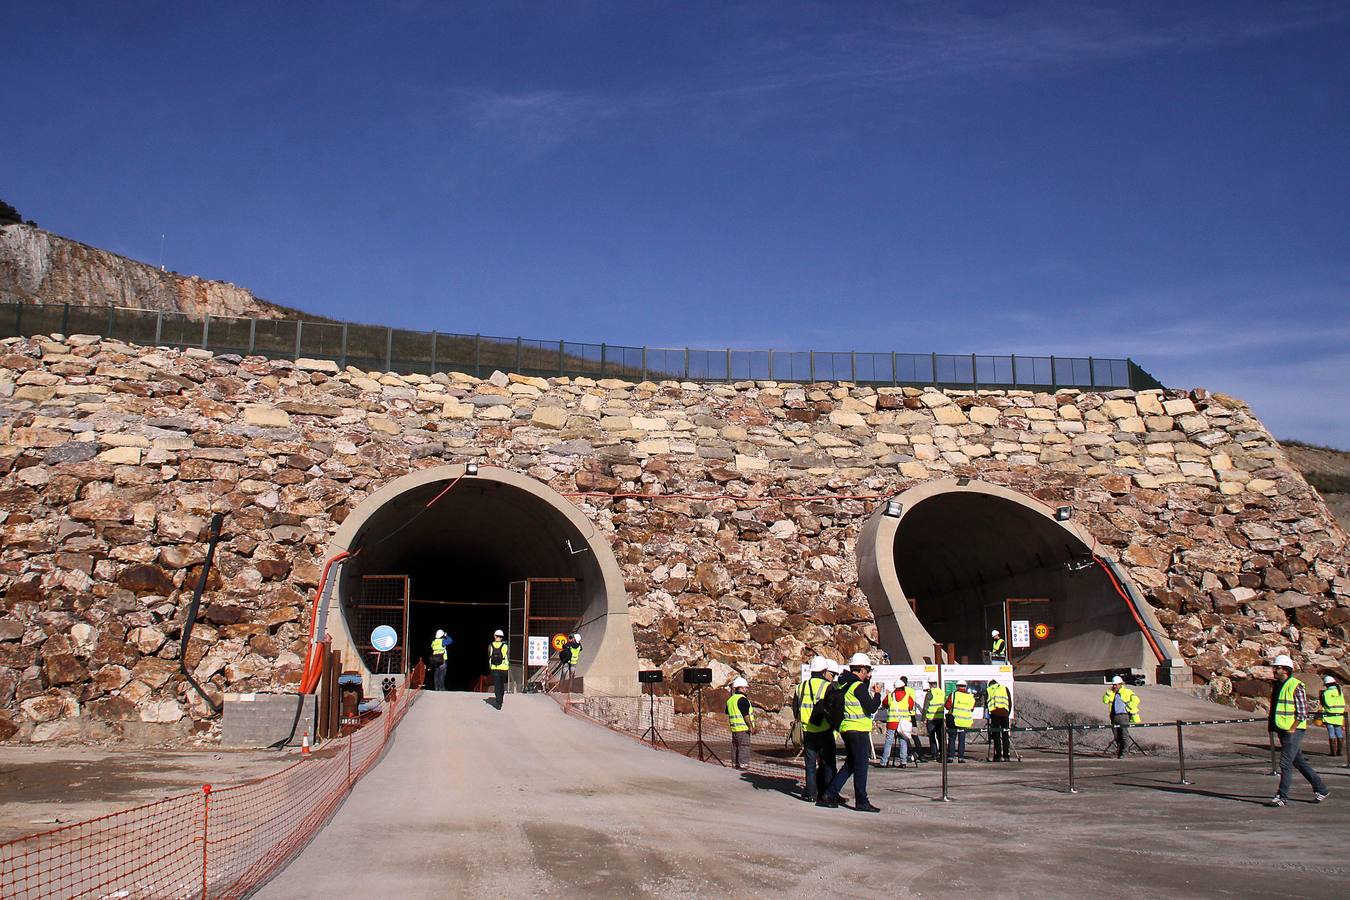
(740, 682)
(961, 682)
(819, 664)
(576, 637)
(1328, 680)
(1117, 680)
(440, 633)
(994, 633)
(1283, 660)
(498, 633)
(836, 667)
(859, 659)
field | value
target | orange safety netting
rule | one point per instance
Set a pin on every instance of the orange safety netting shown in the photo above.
(211, 843)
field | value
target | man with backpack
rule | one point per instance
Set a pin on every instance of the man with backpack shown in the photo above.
(569, 657)
(817, 735)
(498, 664)
(935, 716)
(851, 704)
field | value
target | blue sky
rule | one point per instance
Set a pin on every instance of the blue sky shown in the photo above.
(1165, 181)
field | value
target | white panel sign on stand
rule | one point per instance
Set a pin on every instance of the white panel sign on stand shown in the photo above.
(537, 654)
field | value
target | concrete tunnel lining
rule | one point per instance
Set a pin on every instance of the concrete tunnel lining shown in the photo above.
(956, 548)
(495, 521)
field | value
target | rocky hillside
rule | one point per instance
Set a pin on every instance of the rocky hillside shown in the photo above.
(1327, 470)
(37, 266)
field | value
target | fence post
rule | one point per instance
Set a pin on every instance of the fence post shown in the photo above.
(562, 353)
(477, 356)
(811, 365)
(771, 365)
(644, 363)
(252, 335)
(433, 351)
(344, 346)
(1072, 788)
(975, 372)
(389, 350)
(603, 351)
(206, 330)
(853, 366)
(1054, 383)
(18, 320)
(206, 819)
(1014, 370)
(1181, 754)
(686, 363)
(728, 365)
(1092, 373)
(159, 327)
(519, 359)
(65, 319)
(299, 331)
(895, 376)
(112, 311)
(933, 357)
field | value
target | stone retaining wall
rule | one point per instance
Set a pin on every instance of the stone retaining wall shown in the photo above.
(112, 457)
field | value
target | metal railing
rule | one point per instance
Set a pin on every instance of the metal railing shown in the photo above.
(379, 348)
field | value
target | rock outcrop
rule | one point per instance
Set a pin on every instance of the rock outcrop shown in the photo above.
(113, 457)
(37, 266)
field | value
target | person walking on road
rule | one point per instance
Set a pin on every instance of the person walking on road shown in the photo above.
(818, 754)
(1333, 715)
(861, 699)
(998, 713)
(899, 707)
(1122, 704)
(935, 715)
(499, 662)
(438, 659)
(962, 707)
(740, 719)
(1289, 721)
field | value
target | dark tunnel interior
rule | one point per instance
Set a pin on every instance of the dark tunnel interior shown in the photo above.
(459, 556)
(960, 555)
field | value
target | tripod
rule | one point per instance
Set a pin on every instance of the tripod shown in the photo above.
(699, 745)
(655, 735)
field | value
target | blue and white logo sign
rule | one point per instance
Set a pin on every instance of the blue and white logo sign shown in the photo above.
(384, 639)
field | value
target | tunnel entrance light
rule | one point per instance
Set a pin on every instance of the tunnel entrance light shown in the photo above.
(1063, 513)
(471, 469)
(894, 508)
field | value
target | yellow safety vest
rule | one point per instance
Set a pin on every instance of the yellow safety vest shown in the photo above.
(963, 709)
(1000, 647)
(854, 717)
(1285, 709)
(892, 708)
(812, 691)
(935, 708)
(506, 656)
(1131, 703)
(575, 649)
(1333, 706)
(734, 717)
(438, 647)
(996, 697)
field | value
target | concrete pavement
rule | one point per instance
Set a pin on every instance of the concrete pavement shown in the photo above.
(470, 801)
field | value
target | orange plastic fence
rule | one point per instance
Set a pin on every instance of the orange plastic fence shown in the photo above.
(211, 843)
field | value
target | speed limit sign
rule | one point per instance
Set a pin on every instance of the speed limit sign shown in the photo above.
(559, 641)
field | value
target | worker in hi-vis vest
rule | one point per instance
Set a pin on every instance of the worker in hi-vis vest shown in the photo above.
(998, 650)
(499, 662)
(1289, 722)
(570, 657)
(438, 658)
(818, 751)
(935, 717)
(998, 716)
(1333, 715)
(1122, 705)
(861, 699)
(740, 719)
(962, 707)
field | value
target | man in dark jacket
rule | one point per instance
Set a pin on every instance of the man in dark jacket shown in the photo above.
(861, 700)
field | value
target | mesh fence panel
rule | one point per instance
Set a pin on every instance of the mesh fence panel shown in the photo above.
(202, 844)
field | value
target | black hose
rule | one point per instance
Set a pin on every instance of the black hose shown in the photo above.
(213, 537)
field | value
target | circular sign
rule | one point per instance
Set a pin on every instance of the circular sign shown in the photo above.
(559, 641)
(384, 638)
(1042, 631)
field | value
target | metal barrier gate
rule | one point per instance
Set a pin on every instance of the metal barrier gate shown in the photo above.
(539, 607)
(381, 600)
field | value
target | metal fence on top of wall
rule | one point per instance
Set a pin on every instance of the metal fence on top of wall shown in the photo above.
(378, 348)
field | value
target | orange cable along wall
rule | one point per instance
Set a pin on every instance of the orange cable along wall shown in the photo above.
(211, 843)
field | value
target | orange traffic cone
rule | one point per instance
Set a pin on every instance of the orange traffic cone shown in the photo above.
(304, 745)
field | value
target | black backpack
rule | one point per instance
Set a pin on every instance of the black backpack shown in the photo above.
(831, 708)
(496, 657)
